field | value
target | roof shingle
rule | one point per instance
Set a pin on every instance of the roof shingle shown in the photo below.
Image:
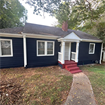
(15, 30)
(46, 30)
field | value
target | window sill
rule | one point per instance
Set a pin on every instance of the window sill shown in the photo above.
(6, 56)
(91, 53)
(46, 55)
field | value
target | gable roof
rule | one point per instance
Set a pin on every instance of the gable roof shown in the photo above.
(43, 30)
(46, 30)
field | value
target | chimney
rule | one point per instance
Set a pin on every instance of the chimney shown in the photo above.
(65, 26)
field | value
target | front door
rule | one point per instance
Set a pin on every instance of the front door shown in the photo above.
(67, 50)
(73, 51)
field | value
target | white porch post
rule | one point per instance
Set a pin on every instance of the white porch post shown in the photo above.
(77, 51)
(69, 51)
(63, 52)
(25, 53)
(101, 52)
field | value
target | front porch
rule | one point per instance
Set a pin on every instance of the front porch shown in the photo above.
(68, 55)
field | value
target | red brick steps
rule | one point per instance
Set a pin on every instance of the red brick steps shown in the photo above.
(72, 67)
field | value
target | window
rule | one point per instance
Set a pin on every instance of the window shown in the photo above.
(41, 48)
(91, 48)
(49, 47)
(5, 48)
(45, 48)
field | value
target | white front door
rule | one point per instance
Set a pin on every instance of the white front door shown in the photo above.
(67, 50)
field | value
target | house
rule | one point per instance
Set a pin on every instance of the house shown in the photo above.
(38, 45)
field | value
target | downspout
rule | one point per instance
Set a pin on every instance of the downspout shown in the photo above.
(101, 52)
(25, 50)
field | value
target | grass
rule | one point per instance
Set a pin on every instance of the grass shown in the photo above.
(42, 86)
(96, 75)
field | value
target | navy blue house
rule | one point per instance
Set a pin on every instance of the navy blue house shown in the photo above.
(37, 45)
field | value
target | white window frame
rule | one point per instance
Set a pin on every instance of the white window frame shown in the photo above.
(45, 48)
(93, 48)
(11, 48)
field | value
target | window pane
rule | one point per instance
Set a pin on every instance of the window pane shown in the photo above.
(91, 48)
(5, 48)
(41, 48)
(49, 47)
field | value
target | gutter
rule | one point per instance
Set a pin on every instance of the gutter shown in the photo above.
(41, 36)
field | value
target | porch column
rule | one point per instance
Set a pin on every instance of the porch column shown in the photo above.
(101, 52)
(63, 52)
(69, 50)
(77, 51)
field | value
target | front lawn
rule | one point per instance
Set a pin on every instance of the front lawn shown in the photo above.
(96, 75)
(34, 86)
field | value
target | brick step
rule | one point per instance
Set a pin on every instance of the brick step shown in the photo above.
(69, 61)
(73, 68)
(76, 71)
(71, 65)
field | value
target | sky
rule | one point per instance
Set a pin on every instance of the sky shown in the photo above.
(36, 19)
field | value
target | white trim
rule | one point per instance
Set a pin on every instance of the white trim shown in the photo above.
(69, 50)
(75, 40)
(77, 51)
(11, 35)
(45, 37)
(63, 52)
(45, 48)
(93, 48)
(41, 36)
(101, 52)
(75, 56)
(29, 35)
(67, 40)
(10, 47)
(37, 47)
(25, 50)
(59, 53)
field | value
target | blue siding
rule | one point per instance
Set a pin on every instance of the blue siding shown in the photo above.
(85, 57)
(60, 65)
(17, 60)
(37, 61)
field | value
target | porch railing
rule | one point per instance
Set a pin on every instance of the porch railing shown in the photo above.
(59, 56)
(73, 56)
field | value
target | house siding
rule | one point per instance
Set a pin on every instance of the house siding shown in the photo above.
(85, 57)
(17, 59)
(38, 61)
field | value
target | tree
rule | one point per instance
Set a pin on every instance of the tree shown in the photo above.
(65, 13)
(80, 14)
(87, 16)
(101, 31)
(41, 6)
(12, 14)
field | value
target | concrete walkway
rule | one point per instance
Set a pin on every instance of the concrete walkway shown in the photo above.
(81, 92)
